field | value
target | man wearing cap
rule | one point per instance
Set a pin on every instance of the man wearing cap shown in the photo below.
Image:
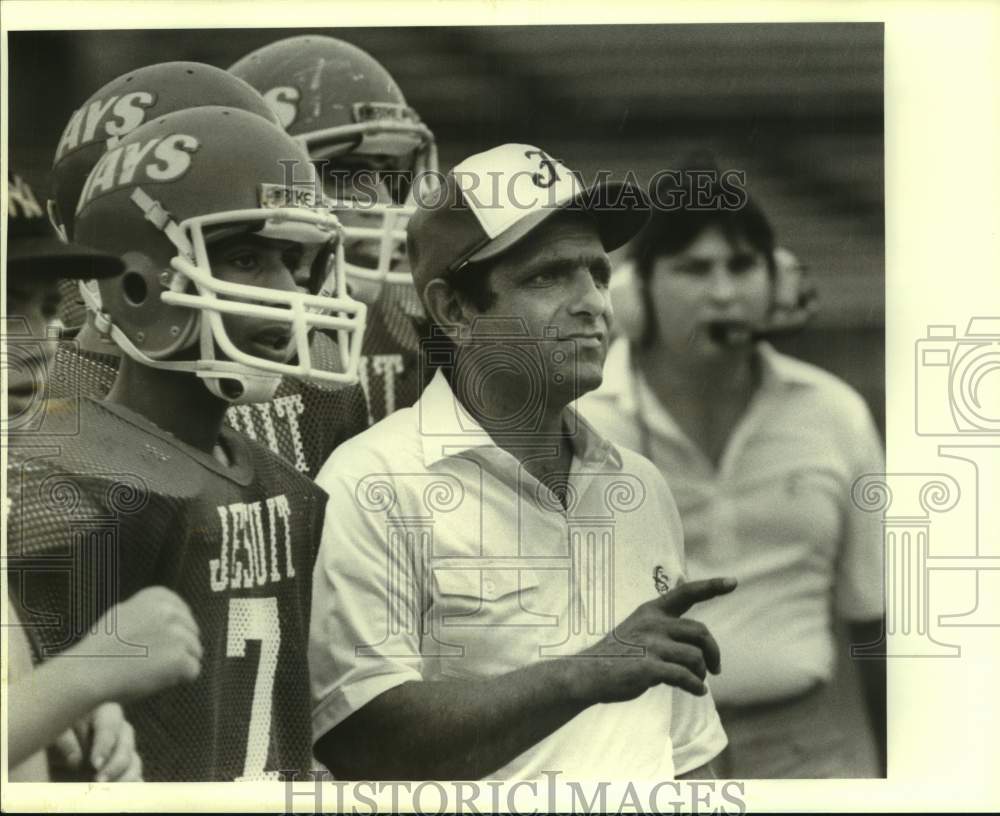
(492, 569)
(36, 260)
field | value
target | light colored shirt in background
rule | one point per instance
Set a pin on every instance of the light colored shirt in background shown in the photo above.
(777, 514)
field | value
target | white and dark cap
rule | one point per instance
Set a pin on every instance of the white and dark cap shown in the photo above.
(35, 251)
(493, 200)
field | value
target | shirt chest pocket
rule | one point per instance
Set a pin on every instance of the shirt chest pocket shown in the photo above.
(489, 619)
(494, 594)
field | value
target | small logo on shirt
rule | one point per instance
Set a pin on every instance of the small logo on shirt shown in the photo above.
(661, 580)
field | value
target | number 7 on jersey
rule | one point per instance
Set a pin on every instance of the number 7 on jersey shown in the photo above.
(257, 619)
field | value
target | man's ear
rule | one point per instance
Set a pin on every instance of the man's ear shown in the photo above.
(445, 307)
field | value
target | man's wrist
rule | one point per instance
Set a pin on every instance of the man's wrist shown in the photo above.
(571, 677)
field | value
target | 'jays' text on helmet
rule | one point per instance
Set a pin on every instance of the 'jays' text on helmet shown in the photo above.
(350, 113)
(124, 104)
(161, 197)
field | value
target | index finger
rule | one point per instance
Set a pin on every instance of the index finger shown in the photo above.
(680, 599)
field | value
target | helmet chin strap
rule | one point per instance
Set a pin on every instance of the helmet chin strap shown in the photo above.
(241, 384)
(55, 219)
(237, 389)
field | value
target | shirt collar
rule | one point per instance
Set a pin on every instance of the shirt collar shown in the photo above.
(447, 429)
(618, 375)
(779, 369)
(776, 368)
(622, 383)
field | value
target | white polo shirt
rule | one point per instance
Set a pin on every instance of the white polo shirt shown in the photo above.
(777, 515)
(443, 558)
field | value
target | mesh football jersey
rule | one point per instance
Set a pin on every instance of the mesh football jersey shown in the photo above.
(72, 310)
(390, 370)
(122, 505)
(303, 423)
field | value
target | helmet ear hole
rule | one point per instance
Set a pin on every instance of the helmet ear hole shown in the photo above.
(134, 288)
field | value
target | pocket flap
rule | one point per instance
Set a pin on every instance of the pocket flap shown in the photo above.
(486, 584)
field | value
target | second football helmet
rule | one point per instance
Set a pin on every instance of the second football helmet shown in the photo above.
(350, 114)
(162, 196)
(125, 103)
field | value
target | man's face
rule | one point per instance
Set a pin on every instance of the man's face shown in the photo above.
(555, 286)
(271, 264)
(355, 179)
(713, 282)
(31, 306)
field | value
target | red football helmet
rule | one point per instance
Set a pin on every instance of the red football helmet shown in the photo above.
(350, 113)
(161, 196)
(124, 104)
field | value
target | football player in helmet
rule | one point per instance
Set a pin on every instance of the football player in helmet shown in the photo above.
(370, 147)
(305, 420)
(148, 486)
(111, 113)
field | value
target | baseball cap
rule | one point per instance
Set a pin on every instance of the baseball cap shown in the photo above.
(493, 200)
(33, 248)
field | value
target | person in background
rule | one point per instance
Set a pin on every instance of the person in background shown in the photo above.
(760, 451)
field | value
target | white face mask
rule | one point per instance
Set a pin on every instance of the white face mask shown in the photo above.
(242, 376)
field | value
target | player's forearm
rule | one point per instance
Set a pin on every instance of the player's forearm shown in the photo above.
(451, 729)
(49, 700)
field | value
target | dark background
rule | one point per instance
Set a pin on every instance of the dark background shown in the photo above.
(799, 107)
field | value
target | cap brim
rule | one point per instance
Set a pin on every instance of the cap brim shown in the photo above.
(618, 209)
(42, 256)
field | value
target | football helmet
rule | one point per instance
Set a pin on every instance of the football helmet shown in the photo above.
(350, 113)
(158, 200)
(124, 104)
